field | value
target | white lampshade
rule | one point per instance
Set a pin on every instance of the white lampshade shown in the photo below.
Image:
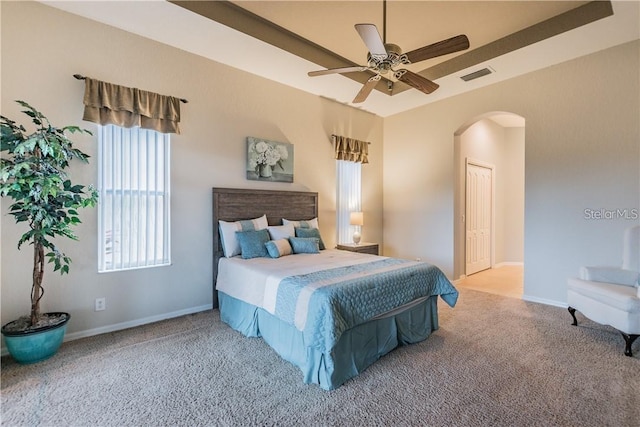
(356, 218)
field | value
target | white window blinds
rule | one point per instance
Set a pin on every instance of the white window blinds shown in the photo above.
(348, 197)
(133, 214)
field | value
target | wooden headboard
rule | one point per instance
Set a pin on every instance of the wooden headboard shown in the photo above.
(234, 204)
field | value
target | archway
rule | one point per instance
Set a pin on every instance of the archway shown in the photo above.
(494, 141)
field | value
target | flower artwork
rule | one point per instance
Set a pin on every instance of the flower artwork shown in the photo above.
(269, 160)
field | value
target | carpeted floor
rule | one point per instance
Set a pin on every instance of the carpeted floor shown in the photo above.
(495, 361)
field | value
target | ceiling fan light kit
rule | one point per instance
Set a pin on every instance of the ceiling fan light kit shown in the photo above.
(387, 58)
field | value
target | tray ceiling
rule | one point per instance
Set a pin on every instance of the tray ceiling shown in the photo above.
(283, 40)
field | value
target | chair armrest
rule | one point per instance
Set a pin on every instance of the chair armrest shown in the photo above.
(614, 275)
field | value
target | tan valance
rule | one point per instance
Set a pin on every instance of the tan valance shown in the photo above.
(350, 149)
(107, 103)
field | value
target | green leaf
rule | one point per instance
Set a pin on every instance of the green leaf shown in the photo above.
(33, 174)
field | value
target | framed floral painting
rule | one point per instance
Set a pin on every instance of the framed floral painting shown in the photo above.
(269, 160)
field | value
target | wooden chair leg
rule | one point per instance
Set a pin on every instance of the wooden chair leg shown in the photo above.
(572, 311)
(629, 339)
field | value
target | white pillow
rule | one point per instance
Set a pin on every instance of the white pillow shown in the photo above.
(311, 223)
(230, 244)
(278, 232)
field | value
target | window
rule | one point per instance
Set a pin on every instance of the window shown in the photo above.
(348, 197)
(133, 213)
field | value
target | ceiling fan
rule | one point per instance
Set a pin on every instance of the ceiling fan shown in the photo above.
(384, 58)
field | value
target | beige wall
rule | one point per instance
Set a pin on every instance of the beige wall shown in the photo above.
(512, 188)
(582, 151)
(43, 47)
(503, 148)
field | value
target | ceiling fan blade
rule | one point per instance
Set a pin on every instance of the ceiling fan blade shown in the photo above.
(366, 89)
(416, 80)
(370, 36)
(454, 44)
(337, 70)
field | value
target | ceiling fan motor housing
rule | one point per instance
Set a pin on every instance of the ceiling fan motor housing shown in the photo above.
(385, 64)
(393, 49)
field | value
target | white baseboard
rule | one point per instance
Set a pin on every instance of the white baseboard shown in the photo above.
(544, 301)
(503, 264)
(134, 323)
(129, 324)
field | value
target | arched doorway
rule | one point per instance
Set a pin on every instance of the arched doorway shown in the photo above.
(489, 201)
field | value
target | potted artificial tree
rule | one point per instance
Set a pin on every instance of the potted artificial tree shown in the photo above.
(32, 173)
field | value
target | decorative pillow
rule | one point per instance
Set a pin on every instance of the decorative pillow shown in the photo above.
(252, 243)
(304, 245)
(278, 232)
(278, 248)
(311, 232)
(230, 244)
(311, 223)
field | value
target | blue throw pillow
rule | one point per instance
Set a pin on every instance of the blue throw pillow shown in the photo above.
(278, 248)
(252, 243)
(310, 232)
(305, 245)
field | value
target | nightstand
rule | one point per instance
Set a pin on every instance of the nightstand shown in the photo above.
(363, 247)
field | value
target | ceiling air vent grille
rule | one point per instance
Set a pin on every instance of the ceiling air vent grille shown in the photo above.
(477, 74)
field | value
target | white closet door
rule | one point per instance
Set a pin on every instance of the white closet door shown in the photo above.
(478, 218)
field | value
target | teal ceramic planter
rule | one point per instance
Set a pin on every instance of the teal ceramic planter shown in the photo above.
(37, 345)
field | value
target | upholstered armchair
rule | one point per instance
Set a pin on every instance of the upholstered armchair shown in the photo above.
(610, 295)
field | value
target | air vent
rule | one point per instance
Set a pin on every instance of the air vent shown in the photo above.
(477, 74)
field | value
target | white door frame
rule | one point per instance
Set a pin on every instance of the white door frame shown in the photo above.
(480, 163)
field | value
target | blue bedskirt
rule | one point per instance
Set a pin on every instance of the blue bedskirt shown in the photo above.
(357, 348)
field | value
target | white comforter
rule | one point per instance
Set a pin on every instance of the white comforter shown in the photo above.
(255, 280)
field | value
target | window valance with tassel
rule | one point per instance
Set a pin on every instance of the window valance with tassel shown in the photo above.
(350, 149)
(107, 103)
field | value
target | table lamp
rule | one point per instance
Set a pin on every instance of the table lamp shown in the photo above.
(356, 219)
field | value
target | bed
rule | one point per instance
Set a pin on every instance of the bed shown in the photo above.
(331, 313)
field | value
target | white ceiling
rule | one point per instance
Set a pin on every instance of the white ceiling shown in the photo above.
(330, 24)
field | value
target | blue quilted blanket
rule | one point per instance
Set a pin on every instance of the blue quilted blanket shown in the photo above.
(326, 303)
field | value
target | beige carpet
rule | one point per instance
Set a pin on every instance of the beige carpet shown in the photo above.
(495, 361)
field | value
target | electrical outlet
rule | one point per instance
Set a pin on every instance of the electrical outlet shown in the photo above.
(101, 304)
